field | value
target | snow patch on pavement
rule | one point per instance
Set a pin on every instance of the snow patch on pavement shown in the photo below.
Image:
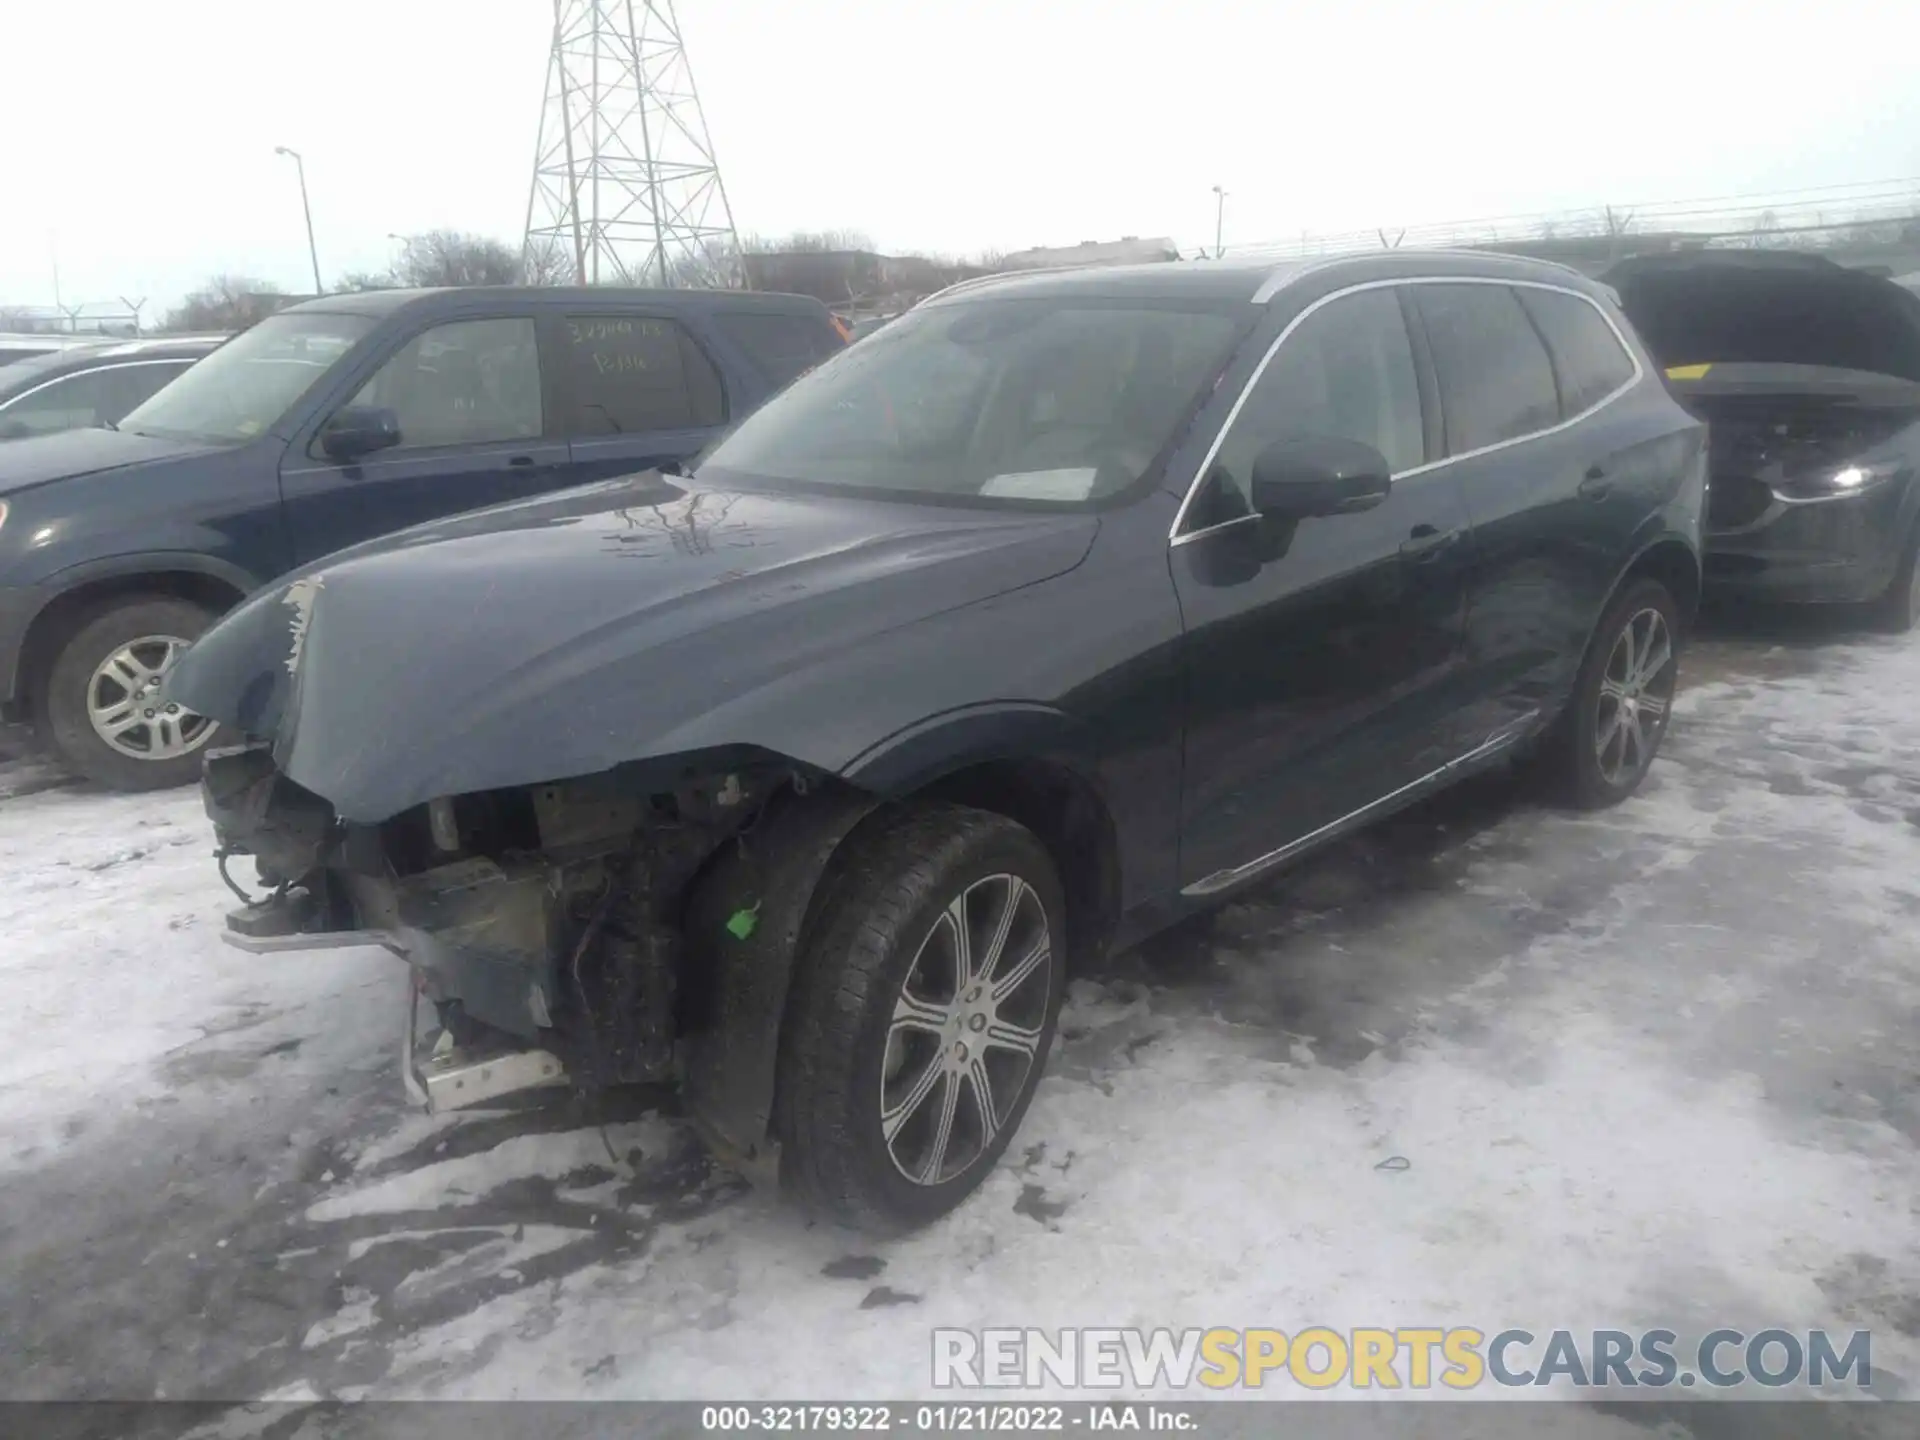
(118, 989)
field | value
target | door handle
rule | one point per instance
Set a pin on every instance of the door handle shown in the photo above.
(522, 462)
(1594, 485)
(1428, 543)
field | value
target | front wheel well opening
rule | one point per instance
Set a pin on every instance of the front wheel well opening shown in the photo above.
(62, 616)
(1068, 816)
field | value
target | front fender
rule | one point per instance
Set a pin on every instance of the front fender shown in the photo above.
(919, 754)
(24, 609)
(151, 562)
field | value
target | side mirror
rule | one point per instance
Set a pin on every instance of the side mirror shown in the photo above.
(1310, 475)
(357, 430)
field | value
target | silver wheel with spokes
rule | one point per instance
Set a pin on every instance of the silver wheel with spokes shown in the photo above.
(967, 1028)
(127, 711)
(923, 1009)
(101, 706)
(1636, 694)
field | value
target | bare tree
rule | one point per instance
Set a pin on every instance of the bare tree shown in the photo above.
(547, 262)
(806, 242)
(226, 302)
(450, 257)
(441, 258)
(356, 281)
(713, 267)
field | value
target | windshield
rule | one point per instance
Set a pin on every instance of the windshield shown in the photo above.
(243, 387)
(1057, 399)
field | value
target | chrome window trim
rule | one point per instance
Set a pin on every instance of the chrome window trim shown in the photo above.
(48, 384)
(1177, 537)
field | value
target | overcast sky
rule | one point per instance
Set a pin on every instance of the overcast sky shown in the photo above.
(136, 138)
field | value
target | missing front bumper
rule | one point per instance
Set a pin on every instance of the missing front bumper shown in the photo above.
(447, 1077)
(439, 1075)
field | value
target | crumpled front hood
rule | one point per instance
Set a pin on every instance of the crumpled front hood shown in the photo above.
(564, 636)
(37, 459)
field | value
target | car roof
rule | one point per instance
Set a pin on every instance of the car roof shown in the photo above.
(1260, 281)
(150, 347)
(39, 340)
(31, 370)
(455, 300)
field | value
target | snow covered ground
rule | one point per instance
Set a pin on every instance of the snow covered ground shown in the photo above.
(1658, 1067)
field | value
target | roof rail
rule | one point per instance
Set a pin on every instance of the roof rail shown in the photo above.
(979, 282)
(973, 282)
(1505, 254)
(1285, 272)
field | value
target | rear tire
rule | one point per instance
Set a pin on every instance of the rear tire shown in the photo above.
(105, 672)
(1600, 749)
(905, 1068)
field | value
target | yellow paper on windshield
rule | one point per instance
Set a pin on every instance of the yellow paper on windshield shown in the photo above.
(1687, 372)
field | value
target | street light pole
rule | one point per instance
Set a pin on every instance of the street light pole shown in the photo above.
(313, 252)
(1219, 221)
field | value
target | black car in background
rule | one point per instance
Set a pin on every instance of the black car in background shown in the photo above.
(16, 346)
(78, 386)
(328, 423)
(1061, 607)
(1809, 376)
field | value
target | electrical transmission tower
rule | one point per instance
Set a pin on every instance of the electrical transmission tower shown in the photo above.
(625, 186)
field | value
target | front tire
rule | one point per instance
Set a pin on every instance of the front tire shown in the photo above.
(1600, 749)
(99, 710)
(924, 1006)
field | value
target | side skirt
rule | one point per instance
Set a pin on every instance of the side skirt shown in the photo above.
(1495, 745)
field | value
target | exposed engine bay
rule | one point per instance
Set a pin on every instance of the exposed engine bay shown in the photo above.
(1773, 439)
(576, 932)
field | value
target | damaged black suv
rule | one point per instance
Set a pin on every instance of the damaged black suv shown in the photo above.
(1063, 606)
(1808, 376)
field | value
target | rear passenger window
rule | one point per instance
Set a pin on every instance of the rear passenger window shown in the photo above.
(1496, 382)
(632, 373)
(782, 347)
(1588, 359)
(1345, 372)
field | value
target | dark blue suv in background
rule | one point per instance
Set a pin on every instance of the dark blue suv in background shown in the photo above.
(332, 422)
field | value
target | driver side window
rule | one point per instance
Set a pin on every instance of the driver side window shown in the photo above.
(464, 383)
(1346, 372)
